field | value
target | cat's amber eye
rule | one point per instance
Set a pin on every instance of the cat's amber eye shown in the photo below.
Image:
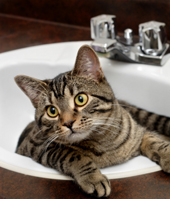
(52, 111)
(81, 99)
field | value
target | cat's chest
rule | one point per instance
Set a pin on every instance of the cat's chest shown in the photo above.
(107, 154)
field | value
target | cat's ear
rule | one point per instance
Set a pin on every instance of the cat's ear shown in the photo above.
(87, 64)
(31, 87)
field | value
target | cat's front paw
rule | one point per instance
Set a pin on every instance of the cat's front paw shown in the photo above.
(95, 184)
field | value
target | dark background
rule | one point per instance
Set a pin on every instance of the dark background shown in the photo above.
(130, 13)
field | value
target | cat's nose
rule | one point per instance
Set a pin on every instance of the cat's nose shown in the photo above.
(69, 124)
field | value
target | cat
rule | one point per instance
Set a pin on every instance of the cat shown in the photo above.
(81, 127)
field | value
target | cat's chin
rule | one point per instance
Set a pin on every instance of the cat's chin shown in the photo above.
(76, 136)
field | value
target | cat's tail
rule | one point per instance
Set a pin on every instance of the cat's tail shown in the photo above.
(151, 121)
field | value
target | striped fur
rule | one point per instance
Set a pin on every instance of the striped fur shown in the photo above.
(82, 139)
(151, 121)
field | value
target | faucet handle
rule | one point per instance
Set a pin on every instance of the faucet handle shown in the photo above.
(152, 35)
(103, 27)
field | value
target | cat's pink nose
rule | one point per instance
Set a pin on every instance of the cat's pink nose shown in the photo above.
(69, 124)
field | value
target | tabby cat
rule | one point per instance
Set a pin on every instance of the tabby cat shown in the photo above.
(80, 126)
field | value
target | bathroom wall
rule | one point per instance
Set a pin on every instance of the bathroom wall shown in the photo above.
(78, 12)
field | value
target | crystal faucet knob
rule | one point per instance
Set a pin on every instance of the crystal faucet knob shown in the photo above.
(103, 27)
(153, 37)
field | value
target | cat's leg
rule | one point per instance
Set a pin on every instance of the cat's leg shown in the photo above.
(157, 148)
(82, 168)
(66, 160)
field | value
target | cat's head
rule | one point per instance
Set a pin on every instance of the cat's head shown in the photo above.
(72, 106)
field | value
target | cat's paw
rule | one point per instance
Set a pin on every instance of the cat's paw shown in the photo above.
(165, 164)
(96, 184)
(163, 158)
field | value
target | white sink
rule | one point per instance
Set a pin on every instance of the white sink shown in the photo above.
(142, 85)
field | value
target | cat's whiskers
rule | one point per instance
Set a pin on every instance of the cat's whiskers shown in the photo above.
(107, 118)
(50, 140)
(63, 137)
(122, 105)
(112, 124)
(104, 130)
(102, 122)
(55, 134)
(46, 147)
(118, 127)
(111, 121)
(37, 133)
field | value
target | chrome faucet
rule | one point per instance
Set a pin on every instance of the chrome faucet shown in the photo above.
(150, 48)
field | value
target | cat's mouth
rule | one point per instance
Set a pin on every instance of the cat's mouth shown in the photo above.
(73, 133)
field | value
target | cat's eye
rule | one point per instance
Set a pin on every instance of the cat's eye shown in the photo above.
(81, 99)
(52, 111)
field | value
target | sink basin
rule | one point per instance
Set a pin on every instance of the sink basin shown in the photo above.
(142, 85)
